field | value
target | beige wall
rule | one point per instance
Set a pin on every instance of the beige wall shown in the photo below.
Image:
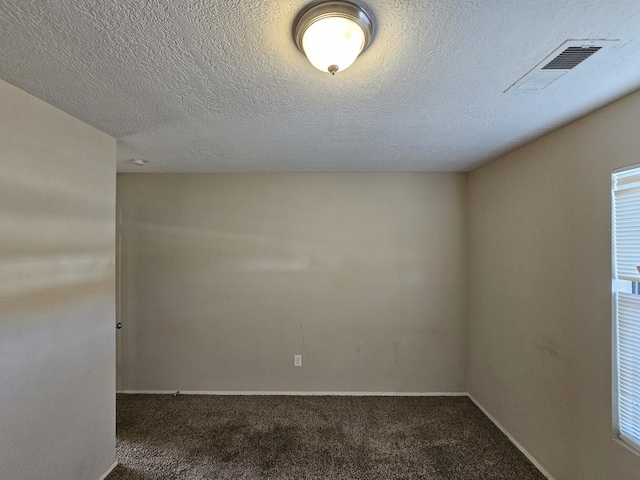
(57, 211)
(226, 277)
(540, 293)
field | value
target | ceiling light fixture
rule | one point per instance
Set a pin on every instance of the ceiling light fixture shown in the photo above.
(332, 34)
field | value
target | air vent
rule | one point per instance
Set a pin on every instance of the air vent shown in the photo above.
(555, 65)
(571, 57)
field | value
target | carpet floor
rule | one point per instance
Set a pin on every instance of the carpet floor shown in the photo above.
(197, 437)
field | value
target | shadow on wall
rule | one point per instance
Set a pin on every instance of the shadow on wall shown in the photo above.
(38, 284)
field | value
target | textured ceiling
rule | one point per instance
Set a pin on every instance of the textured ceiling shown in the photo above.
(219, 86)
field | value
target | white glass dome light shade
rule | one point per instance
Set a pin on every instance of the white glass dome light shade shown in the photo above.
(333, 41)
(333, 34)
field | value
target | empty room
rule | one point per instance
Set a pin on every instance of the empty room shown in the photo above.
(285, 239)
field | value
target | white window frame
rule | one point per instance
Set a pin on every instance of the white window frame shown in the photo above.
(625, 342)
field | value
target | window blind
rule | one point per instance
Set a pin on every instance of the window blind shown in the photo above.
(626, 259)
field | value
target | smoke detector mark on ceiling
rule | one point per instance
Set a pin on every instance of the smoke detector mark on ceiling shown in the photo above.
(555, 65)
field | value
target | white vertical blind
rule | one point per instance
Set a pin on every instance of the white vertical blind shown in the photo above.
(626, 259)
(628, 308)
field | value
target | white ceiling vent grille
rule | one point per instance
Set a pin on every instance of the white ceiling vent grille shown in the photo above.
(555, 65)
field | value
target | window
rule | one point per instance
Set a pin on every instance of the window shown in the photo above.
(626, 291)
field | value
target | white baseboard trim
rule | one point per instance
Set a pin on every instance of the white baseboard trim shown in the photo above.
(513, 440)
(115, 464)
(287, 393)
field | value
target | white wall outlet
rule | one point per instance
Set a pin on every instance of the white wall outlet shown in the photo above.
(297, 360)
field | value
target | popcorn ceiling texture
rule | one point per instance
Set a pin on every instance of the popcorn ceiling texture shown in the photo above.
(219, 86)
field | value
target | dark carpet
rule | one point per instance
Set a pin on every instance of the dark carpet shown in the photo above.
(196, 437)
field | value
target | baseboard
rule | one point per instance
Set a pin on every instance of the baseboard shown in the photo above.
(287, 393)
(106, 474)
(513, 440)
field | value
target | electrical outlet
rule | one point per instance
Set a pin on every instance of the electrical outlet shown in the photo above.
(297, 360)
